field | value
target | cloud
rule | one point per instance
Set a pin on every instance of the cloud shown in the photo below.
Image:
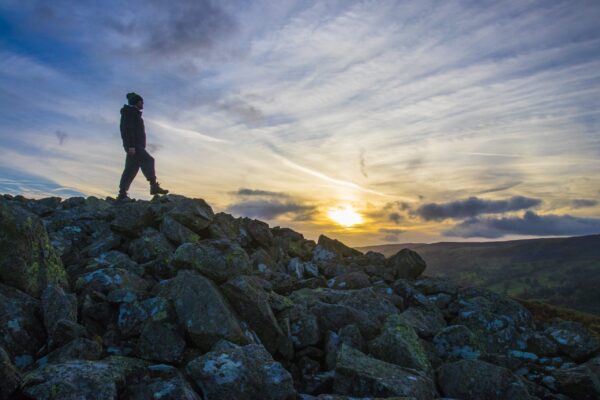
(395, 217)
(583, 203)
(272, 209)
(258, 192)
(154, 147)
(500, 188)
(61, 136)
(530, 224)
(472, 207)
(363, 167)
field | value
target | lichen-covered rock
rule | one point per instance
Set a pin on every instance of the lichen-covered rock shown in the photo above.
(105, 280)
(177, 232)
(81, 379)
(28, 261)
(406, 264)
(22, 333)
(573, 340)
(132, 315)
(195, 214)
(9, 376)
(161, 382)
(349, 335)
(219, 260)
(427, 322)
(479, 380)
(332, 317)
(161, 341)
(132, 218)
(300, 325)
(359, 375)
(292, 244)
(151, 245)
(259, 232)
(399, 344)
(77, 349)
(251, 302)
(578, 382)
(351, 280)
(328, 249)
(457, 342)
(242, 373)
(201, 309)
(57, 305)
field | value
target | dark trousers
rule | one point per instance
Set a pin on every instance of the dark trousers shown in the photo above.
(141, 159)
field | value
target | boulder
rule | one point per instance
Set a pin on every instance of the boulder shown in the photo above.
(81, 379)
(457, 342)
(161, 382)
(259, 232)
(22, 333)
(300, 325)
(28, 261)
(573, 340)
(105, 280)
(161, 341)
(56, 306)
(332, 317)
(201, 309)
(132, 218)
(177, 232)
(405, 264)
(328, 249)
(479, 380)
(399, 344)
(194, 214)
(359, 375)
(132, 315)
(578, 382)
(77, 349)
(349, 335)
(151, 245)
(427, 322)
(248, 298)
(9, 376)
(351, 280)
(219, 260)
(242, 373)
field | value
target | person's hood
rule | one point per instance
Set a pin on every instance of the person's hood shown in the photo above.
(127, 109)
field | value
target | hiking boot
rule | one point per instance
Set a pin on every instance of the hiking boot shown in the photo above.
(156, 189)
(122, 197)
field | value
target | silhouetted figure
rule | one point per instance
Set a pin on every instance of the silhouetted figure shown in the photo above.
(133, 134)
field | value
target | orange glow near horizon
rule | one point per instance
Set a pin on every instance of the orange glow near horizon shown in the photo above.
(345, 216)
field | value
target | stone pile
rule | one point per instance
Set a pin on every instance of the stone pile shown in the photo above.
(165, 299)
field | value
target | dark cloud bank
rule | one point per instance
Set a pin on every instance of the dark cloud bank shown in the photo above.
(473, 207)
(530, 224)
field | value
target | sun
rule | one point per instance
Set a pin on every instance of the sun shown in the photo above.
(345, 216)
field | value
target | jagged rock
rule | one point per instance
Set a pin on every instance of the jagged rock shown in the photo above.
(301, 269)
(359, 375)
(259, 231)
(161, 382)
(406, 264)
(201, 309)
(293, 243)
(329, 249)
(177, 232)
(56, 306)
(540, 344)
(22, 333)
(332, 317)
(105, 280)
(217, 259)
(503, 322)
(351, 280)
(162, 342)
(81, 379)
(151, 245)
(242, 373)
(28, 261)
(457, 342)
(195, 214)
(399, 344)
(9, 377)
(248, 298)
(132, 218)
(432, 286)
(77, 349)
(300, 325)
(578, 382)
(573, 340)
(427, 322)
(132, 315)
(479, 380)
(349, 335)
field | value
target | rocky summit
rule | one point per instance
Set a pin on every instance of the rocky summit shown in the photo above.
(164, 299)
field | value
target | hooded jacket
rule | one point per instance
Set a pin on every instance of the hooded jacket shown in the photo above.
(133, 132)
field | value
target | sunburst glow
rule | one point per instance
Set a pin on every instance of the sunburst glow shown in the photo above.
(345, 216)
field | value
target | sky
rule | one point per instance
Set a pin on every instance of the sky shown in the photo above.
(371, 122)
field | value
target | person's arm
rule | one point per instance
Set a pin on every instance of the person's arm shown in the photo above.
(128, 132)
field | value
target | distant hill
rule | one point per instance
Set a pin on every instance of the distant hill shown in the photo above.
(558, 271)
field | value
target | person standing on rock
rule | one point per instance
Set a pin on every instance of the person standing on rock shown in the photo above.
(133, 134)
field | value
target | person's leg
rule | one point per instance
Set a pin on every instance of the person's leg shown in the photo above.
(146, 162)
(132, 166)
